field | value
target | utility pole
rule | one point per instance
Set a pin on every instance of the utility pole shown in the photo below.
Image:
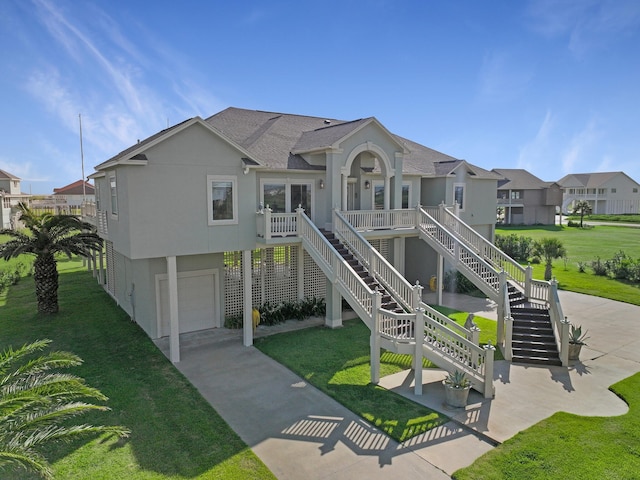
(84, 192)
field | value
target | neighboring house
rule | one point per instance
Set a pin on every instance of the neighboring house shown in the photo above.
(201, 223)
(10, 197)
(74, 194)
(606, 192)
(526, 199)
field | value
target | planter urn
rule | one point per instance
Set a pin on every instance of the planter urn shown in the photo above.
(574, 351)
(456, 396)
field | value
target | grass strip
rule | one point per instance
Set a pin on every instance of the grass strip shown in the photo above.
(569, 446)
(175, 432)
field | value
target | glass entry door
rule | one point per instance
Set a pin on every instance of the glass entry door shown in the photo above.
(301, 195)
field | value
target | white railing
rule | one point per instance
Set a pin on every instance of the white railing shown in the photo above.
(483, 247)
(272, 225)
(403, 292)
(461, 254)
(337, 269)
(559, 323)
(397, 326)
(540, 290)
(363, 220)
(505, 325)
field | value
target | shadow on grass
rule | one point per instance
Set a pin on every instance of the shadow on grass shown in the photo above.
(174, 431)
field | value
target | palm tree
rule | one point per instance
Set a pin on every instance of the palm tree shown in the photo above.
(35, 403)
(47, 236)
(549, 249)
(582, 208)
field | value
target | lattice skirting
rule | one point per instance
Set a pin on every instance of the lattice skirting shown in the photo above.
(274, 278)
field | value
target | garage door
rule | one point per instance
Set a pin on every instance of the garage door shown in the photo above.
(197, 305)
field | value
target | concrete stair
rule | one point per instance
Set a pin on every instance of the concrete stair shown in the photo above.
(533, 340)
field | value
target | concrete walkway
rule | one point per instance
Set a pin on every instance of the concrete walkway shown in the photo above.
(299, 432)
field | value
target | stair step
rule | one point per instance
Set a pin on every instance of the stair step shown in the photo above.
(536, 360)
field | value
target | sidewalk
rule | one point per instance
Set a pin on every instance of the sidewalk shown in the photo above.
(299, 432)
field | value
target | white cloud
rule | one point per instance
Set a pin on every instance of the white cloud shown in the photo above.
(586, 23)
(536, 153)
(502, 78)
(577, 156)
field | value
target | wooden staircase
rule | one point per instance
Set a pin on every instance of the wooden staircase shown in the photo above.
(533, 340)
(388, 303)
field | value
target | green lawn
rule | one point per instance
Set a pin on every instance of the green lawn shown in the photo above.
(175, 433)
(566, 446)
(626, 218)
(337, 362)
(584, 245)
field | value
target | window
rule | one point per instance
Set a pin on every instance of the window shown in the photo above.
(378, 196)
(223, 200)
(97, 194)
(613, 190)
(458, 194)
(283, 196)
(516, 194)
(602, 191)
(114, 195)
(635, 190)
(406, 194)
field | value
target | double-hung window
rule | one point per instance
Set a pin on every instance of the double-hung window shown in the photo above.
(458, 194)
(222, 200)
(114, 194)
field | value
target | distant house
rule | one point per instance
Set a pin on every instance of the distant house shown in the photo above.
(607, 192)
(10, 197)
(526, 199)
(73, 195)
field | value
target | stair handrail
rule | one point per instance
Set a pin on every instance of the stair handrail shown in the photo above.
(378, 266)
(559, 322)
(461, 253)
(399, 287)
(484, 247)
(334, 266)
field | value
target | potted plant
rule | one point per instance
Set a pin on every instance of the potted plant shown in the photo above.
(456, 389)
(576, 341)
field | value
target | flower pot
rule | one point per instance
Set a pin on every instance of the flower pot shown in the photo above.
(455, 397)
(574, 351)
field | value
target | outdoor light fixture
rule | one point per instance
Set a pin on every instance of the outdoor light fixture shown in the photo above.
(321, 184)
(367, 184)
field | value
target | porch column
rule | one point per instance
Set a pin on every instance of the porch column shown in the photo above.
(387, 193)
(247, 318)
(399, 254)
(333, 317)
(344, 178)
(174, 321)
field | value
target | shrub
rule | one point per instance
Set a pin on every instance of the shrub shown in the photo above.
(598, 267)
(516, 246)
(234, 321)
(456, 282)
(582, 267)
(272, 314)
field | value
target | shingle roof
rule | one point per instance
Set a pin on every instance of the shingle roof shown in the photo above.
(518, 179)
(588, 180)
(275, 140)
(8, 175)
(75, 188)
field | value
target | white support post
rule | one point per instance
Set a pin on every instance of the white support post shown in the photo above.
(489, 351)
(508, 339)
(399, 254)
(267, 223)
(564, 342)
(440, 279)
(174, 320)
(101, 271)
(300, 272)
(247, 311)
(418, 335)
(502, 298)
(333, 317)
(374, 339)
(528, 275)
(344, 182)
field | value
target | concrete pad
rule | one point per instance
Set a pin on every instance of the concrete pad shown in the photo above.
(296, 430)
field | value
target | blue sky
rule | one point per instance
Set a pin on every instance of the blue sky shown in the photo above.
(552, 86)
